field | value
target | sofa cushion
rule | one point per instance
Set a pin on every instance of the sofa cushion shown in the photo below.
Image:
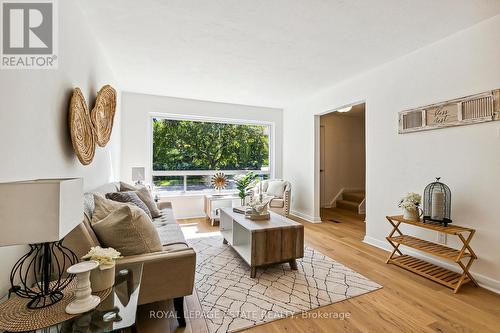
(129, 197)
(276, 188)
(170, 234)
(168, 230)
(277, 203)
(145, 195)
(128, 230)
(167, 215)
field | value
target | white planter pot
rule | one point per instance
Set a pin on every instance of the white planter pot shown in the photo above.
(102, 279)
(411, 214)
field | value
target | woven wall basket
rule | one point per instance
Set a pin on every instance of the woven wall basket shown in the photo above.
(103, 114)
(82, 132)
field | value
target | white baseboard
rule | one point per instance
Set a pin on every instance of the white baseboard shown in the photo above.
(483, 281)
(308, 218)
(187, 217)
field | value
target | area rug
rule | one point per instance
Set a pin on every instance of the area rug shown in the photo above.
(232, 301)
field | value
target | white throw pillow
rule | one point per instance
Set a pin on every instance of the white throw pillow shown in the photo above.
(276, 188)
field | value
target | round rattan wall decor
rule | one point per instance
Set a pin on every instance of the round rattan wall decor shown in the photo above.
(103, 114)
(80, 125)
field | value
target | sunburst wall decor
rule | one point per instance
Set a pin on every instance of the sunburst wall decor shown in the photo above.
(219, 181)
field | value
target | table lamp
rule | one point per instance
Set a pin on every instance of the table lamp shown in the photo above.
(41, 213)
(138, 175)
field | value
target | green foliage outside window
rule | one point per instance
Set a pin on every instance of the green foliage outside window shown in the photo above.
(194, 145)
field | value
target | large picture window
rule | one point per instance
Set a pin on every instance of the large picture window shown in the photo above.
(186, 153)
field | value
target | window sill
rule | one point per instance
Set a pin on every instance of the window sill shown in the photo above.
(165, 194)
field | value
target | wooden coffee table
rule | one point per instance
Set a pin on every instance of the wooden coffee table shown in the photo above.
(264, 242)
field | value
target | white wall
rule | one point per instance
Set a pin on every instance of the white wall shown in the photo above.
(343, 154)
(187, 206)
(467, 158)
(34, 136)
(136, 136)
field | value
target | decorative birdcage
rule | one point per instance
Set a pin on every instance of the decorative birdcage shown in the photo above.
(437, 203)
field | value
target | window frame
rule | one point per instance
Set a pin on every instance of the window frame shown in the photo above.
(185, 173)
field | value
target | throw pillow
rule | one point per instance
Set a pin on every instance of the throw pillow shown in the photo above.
(88, 204)
(129, 197)
(145, 195)
(124, 187)
(129, 231)
(276, 188)
(104, 207)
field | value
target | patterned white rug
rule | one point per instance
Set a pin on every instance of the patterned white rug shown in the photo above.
(232, 301)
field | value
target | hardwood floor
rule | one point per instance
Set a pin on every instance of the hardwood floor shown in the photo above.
(406, 303)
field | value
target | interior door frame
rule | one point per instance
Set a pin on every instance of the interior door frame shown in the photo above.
(322, 165)
(317, 153)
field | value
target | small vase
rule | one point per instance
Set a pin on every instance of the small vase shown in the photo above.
(411, 214)
(102, 279)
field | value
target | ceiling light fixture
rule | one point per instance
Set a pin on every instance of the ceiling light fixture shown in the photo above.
(347, 109)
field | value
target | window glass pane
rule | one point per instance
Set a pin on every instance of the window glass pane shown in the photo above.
(198, 183)
(202, 183)
(231, 184)
(264, 176)
(196, 145)
(169, 183)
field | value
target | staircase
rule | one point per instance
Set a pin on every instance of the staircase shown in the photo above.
(352, 200)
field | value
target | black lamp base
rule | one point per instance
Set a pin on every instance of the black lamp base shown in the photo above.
(46, 263)
(41, 301)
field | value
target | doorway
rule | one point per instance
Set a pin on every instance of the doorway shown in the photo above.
(342, 164)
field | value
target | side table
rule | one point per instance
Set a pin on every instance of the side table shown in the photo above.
(115, 313)
(214, 202)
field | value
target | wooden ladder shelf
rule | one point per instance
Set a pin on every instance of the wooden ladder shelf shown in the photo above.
(463, 257)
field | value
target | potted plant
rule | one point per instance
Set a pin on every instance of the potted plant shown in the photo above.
(242, 184)
(103, 277)
(410, 205)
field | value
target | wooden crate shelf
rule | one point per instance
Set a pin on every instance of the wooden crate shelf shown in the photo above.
(437, 250)
(430, 271)
(426, 269)
(450, 229)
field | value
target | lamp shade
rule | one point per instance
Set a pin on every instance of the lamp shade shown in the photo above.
(39, 211)
(138, 174)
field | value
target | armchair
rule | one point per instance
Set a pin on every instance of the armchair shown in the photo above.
(280, 190)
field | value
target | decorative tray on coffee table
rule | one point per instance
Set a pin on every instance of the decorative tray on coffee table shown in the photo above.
(258, 217)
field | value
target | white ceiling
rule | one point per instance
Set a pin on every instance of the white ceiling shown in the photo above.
(265, 52)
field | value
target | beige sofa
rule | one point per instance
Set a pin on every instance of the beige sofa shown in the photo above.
(281, 201)
(168, 274)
